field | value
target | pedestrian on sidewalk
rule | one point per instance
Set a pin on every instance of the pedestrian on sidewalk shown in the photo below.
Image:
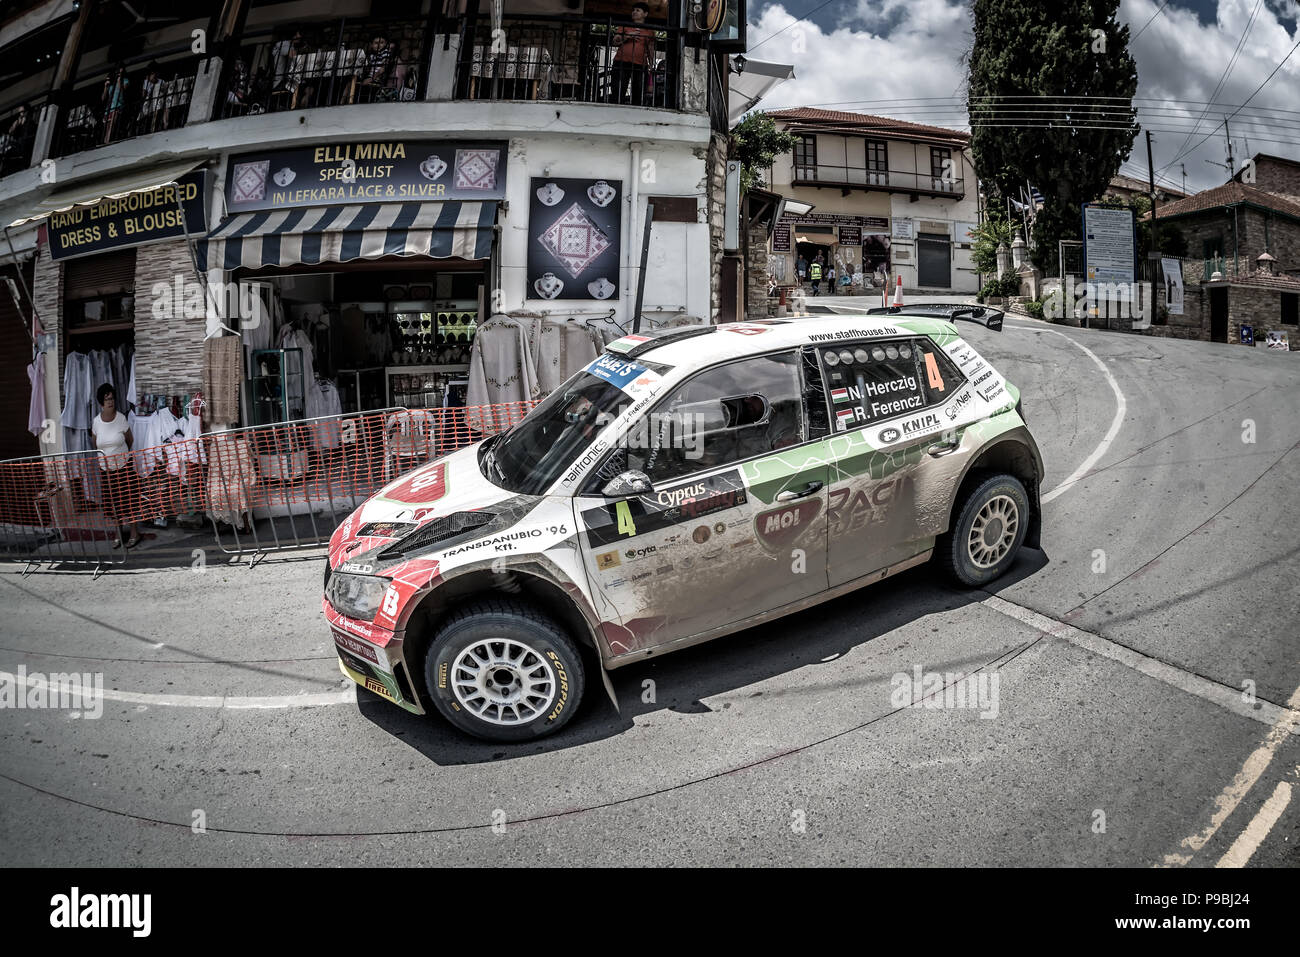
(815, 275)
(113, 440)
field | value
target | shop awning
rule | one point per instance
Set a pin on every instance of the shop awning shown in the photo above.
(339, 234)
(87, 194)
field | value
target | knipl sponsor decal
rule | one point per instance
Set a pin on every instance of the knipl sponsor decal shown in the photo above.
(923, 423)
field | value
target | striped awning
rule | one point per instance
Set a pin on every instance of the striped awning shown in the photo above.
(339, 234)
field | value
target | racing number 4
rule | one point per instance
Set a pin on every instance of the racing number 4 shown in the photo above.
(932, 372)
(625, 523)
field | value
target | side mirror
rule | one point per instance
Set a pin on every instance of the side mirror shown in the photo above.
(628, 483)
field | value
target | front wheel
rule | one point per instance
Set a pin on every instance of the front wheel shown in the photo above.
(987, 532)
(504, 671)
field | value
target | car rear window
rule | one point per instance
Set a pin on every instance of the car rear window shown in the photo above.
(871, 381)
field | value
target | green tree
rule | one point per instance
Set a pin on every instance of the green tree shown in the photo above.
(757, 142)
(1033, 69)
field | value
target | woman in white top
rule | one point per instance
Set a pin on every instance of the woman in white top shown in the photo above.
(113, 440)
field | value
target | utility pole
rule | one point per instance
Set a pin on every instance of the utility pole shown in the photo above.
(1151, 183)
(1232, 167)
(1184, 167)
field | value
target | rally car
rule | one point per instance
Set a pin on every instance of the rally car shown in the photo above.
(685, 485)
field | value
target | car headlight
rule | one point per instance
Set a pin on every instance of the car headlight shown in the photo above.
(357, 596)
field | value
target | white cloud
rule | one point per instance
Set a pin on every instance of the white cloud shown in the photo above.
(912, 52)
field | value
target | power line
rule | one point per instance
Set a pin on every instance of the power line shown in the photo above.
(1240, 108)
(755, 46)
(1149, 22)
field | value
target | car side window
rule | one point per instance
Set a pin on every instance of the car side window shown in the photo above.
(722, 415)
(871, 381)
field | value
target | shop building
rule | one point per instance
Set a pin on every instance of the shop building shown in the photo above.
(353, 194)
(890, 199)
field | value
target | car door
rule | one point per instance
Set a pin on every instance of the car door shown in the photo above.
(898, 451)
(735, 524)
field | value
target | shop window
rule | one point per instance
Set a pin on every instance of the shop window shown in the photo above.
(873, 381)
(675, 209)
(1290, 308)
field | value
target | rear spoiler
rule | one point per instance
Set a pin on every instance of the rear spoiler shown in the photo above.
(985, 316)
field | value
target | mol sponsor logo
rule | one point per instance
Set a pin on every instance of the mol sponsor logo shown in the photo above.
(778, 528)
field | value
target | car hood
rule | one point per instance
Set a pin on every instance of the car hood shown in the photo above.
(443, 487)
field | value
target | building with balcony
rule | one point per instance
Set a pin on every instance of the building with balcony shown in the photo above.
(381, 177)
(890, 199)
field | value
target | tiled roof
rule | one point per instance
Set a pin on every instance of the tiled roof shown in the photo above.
(1286, 283)
(865, 121)
(1120, 181)
(1226, 195)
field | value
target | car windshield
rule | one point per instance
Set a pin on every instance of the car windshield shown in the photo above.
(532, 455)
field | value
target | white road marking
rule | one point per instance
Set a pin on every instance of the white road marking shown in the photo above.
(1228, 698)
(1282, 721)
(1245, 846)
(321, 699)
(1121, 409)
(1240, 785)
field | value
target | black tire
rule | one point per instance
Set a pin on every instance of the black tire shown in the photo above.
(498, 629)
(956, 553)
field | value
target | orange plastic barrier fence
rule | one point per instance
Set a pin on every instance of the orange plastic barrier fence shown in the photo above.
(261, 488)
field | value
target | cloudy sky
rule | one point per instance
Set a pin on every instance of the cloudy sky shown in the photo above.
(905, 58)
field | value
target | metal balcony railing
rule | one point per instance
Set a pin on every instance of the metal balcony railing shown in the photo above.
(566, 59)
(125, 101)
(903, 181)
(334, 63)
(18, 135)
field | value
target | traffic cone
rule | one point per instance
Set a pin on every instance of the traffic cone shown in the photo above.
(898, 292)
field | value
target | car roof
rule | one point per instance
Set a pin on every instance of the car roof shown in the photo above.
(694, 346)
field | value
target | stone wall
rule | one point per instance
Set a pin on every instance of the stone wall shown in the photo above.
(1282, 236)
(1279, 177)
(716, 170)
(1261, 308)
(168, 351)
(756, 300)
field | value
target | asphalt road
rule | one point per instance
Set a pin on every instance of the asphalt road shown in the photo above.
(1125, 653)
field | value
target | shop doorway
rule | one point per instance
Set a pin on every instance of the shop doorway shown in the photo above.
(812, 252)
(933, 261)
(383, 334)
(1219, 315)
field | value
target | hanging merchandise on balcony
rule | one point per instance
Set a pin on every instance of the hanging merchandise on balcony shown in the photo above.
(339, 173)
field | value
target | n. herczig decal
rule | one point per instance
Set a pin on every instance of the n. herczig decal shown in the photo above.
(504, 541)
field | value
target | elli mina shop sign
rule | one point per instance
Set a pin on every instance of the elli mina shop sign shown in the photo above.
(131, 219)
(337, 174)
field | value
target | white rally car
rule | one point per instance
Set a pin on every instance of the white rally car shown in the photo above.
(685, 485)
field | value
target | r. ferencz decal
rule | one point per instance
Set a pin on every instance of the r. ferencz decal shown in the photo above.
(663, 508)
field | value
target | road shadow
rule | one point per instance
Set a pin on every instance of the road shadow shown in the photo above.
(817, 637)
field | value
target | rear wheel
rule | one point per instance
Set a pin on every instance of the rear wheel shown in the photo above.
(987, 531)
(503, 671)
